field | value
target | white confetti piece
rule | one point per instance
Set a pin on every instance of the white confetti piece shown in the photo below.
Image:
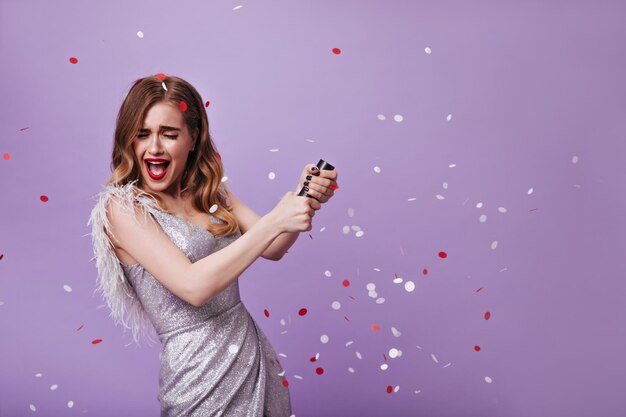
(328, 273)
(376, 269)
(449, 117)
(488, 380)
(224, 178)
(274, 150)
(530, 191)
(427, 50)
(351, 370)
(419, 347)
(393, 352)
(233, 349)
(451, 165)
(440, 197)
(163, 85)
(384, 366)
(482, 218)
(494, 244)
(412, 199)
(237, 7)
(1, 303)
(284, 332)
(67, 288)
(282, 355)
(53, 387)
(503, 269)
(398, 280)
(310, 140)
(140, 34)
(399, 353)
(324, 338)
(381, 117)
(349, 343)
(271, 175)
(380, 300)
(432, 355)
(358, 355)
(359, 233)
(377, 169)
(356, 228)
(346, 230)
(350, 212)
(409, 286)
(281, 373)
(397, 388)
(213, 208)
(446, 365)
(398, 118)
(372, 294)
(371, 286)
(282, 321)
(479, 205)
(39, 375)
(445, 185)
(502, 209)
(33, 408)
(297, 376)
(70, 404)
(336, 305)
(574, 159)
(322, 229)
(418, 391)
(396, 332)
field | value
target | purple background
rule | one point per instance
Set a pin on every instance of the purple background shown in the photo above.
(530, 85)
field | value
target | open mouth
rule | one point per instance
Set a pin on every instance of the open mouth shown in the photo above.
(157, 170)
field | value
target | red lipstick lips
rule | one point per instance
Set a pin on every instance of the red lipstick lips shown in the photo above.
(160, 161)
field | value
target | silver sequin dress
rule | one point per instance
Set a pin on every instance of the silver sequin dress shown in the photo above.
(215, 359)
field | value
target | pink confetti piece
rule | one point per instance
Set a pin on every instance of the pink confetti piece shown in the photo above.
(6, 156)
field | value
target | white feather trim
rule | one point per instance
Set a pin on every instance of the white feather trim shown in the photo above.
(126, 309)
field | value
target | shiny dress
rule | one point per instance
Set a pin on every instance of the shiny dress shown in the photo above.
(215, 359)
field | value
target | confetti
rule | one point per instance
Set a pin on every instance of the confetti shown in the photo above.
(425, 271)
(445, 185)
(381, 117)
(487, 315)
(432, 355)
(297, 376)
(389, 389)
(440, 197)
(358, 355)
(350, 212)
(285, 383)
(375, 327)
(67, 288)
(43, 198)
(351, 370)
(80, 327)
(164, 86)
(380, 300)
(271, 175)
(345, 282)
(346, 230)
(398, 118)
(302, 311)
(482, 218)
(488, 380)
(449, 117)
(53, 387)
(96, 341)
(324, 338)
(1, 256)
(427, 50)
(336, 51)
(213, 208)
(336, 305)
(412, 199)
(530, 191)
(39, 375)
(267, 314)
(574, 159)
(397, 388)
(443, 255)
(371, 286)
(494, 244)
(183, 106)
(140, 34)
(502, 210)
(23, 129)
(451, 165)
(349, 343)
(70, 404)
(393, 352)
(395, 332)
(372, 294)
(161, 76)
(359, 233)
(446, 365)
(207, 104)
(33, 408)
(398, 280)
(377, 169)
(1, 303)
(477, 348)
(237, 7)
(328, 273)
(319, 371)
(384, 366)
(74, 60)
(6, 156)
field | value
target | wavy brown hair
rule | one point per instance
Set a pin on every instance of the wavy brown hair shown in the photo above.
(203, 173)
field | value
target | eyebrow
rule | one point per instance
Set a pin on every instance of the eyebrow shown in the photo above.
(143, 129)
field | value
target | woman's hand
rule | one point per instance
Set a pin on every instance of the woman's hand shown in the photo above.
(294, 213)
(321, 183)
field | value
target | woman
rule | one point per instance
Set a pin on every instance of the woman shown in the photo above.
(177, 268)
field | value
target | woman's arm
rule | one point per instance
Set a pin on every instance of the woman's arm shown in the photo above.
(196, 282)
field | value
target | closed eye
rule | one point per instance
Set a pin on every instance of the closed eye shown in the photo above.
(143, 135)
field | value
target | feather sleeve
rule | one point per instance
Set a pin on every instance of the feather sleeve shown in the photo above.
(121, 299)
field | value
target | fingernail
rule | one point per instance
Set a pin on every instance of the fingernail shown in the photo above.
(308, 177)
(306, 188)
(306, 183)
(315, 169)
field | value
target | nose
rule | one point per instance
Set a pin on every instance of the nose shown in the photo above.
(155, 146)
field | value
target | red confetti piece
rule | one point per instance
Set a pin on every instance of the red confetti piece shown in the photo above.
(96, 341)
(319, 371)
(487, 315)
(334, 186)
(74, 60)
(385, 357)
(389, 389)
(346, 317)
(161, 76)
(336, 51)
(302, 311)
(183, 106)
(6, 156)
(375, 327)
(285, 383)
(425, 271)
(1, 256)
(313, 359)
(477, 348)
(23, 129)
(535, 209)
(352, 297)
(81, 326)
(443, 255)
(345, 283)
(207, 104)
(267, 313)
(43, 198)
(218, 155)
(479, 289)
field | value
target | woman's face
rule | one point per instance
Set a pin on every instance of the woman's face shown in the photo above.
(162, 146)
